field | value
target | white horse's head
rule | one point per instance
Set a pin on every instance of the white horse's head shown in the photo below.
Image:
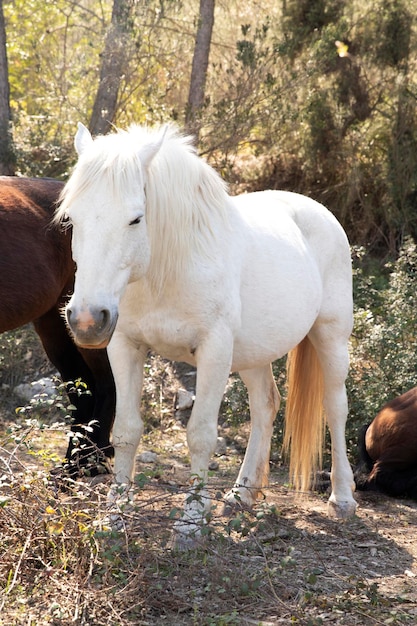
(142, 204)
(104, 201)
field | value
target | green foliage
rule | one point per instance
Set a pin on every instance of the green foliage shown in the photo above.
(52, 69)
(326, 94)
(393, 33)
(54, 53)
(318, 94)
(305, 18)
(319, 115)
(384, 342)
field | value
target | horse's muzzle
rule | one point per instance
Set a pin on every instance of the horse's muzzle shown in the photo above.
(91, 328)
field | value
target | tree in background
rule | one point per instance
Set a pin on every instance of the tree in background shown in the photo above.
(53, 53)
(196, 95)
(7, 156)
(114, 60)
(315, 96)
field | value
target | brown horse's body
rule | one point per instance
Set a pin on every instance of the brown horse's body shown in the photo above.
(388, 449)
(36, 275)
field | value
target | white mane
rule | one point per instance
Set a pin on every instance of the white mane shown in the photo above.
(186, 200)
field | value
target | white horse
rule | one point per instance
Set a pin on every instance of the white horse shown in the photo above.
(167, 260)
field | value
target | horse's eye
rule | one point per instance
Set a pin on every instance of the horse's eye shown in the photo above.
(135, 221)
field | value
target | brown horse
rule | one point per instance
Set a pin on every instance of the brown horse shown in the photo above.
(36, 276)
(388, 449)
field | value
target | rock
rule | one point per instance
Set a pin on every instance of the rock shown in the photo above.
(27, 391)
(240, 442)
(147, 457)
(221, 446)
(184, 400)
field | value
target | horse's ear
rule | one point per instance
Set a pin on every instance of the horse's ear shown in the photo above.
(82, 139)
(147, 153)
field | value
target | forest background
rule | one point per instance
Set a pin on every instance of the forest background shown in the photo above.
(313, 96)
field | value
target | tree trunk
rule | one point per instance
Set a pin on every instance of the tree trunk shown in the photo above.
(112, 69)
(199, 67)
(7, 156)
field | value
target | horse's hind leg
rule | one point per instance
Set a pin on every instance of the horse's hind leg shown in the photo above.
(332, 351)
(264, 401)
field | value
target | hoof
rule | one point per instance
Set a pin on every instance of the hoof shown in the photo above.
(115, 518)
(96, 468)
(116, 522)
(113, 522)
(183, 543)
(231, 507)
(239, 499)
(341, 510)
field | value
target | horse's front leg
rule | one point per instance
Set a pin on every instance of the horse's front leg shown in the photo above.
(213, 359)
(127, 363)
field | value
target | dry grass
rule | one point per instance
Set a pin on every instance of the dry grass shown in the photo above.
(283, 563)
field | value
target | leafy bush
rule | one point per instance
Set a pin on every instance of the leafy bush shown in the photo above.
(384, 341)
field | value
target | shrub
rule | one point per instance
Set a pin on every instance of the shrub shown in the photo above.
(384, 341)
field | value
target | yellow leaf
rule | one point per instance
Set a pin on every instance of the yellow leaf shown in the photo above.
(342, 49)
(82, 527)
(50, 510)
(55, 528)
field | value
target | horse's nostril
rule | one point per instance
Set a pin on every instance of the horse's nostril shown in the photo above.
(104, 318)
(68, 314)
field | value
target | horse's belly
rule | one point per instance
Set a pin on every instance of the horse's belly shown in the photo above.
(255, 349)
(174, 352)
(276, 315)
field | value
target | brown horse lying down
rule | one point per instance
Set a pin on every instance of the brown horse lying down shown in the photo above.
(36, 276)
(388, 449)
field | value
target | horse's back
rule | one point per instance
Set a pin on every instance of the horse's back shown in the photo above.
(35, 262)
(295, 261)
(301, 223)
(29, 192)
(276, 207)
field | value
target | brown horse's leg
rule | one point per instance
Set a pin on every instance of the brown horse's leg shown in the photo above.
(94, 409)
(105, 395)
(364, 464)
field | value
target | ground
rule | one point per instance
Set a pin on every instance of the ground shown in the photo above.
(284, 563)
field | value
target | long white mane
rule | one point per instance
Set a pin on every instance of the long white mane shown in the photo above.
(186, 200)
